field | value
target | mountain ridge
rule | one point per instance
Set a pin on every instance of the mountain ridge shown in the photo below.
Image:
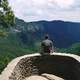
(62, 32)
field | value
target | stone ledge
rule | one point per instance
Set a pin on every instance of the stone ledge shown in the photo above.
(64, 65)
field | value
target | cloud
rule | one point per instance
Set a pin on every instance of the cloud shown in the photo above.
(64, 3)
(34, 10)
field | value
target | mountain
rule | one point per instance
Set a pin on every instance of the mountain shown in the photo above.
(64, 34)
(28, 35)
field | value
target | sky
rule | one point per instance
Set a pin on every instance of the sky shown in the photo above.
(35, 10)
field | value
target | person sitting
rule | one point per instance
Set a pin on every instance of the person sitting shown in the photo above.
(46, 46)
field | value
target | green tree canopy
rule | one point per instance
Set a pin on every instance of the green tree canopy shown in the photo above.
(75, 48)
(7, 18)
(6, 14)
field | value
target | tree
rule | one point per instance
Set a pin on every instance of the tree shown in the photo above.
(6, 14)
(7, 18)
(75, 49)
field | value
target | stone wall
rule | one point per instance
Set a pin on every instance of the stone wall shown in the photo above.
(63, 65)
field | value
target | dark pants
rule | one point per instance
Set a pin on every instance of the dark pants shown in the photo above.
(45, 52)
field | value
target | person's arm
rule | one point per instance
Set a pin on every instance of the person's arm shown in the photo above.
(52, 47)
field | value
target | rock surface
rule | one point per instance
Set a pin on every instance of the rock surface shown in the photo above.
(35, 78)
(51, 77)
(44, 77)
(63, 65)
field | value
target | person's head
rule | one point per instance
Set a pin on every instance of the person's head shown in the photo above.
(47, 36)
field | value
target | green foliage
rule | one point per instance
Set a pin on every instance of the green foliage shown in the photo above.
(62, 50)
(11, 47)
(74, 49)
(6, 21)
(9, 52)
(6, 16)
(4, 4)
(3, 33)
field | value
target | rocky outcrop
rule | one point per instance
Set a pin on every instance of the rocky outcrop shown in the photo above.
(66, 66)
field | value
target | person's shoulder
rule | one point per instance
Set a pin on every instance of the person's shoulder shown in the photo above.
(49, 40)
(46, 40)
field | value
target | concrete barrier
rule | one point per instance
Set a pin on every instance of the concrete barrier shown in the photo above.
(66, 66)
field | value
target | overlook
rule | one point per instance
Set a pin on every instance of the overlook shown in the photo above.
(23, 24)
(63, 66)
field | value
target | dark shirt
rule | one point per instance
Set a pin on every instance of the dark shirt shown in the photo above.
(47, 46)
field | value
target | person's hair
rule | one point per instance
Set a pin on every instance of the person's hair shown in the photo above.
(46, 36)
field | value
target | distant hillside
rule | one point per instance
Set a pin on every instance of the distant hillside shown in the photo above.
(63, 33)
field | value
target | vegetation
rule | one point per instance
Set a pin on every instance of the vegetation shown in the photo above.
(11, 47)
(9, 52)
(74, 49)
(6, 14)
(7, 19)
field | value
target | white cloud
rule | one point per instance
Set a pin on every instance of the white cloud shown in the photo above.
(67, 16)
(39, 2)
(33, 10)
(65, 3)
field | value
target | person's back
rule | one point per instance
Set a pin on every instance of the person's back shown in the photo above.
(46, 46)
